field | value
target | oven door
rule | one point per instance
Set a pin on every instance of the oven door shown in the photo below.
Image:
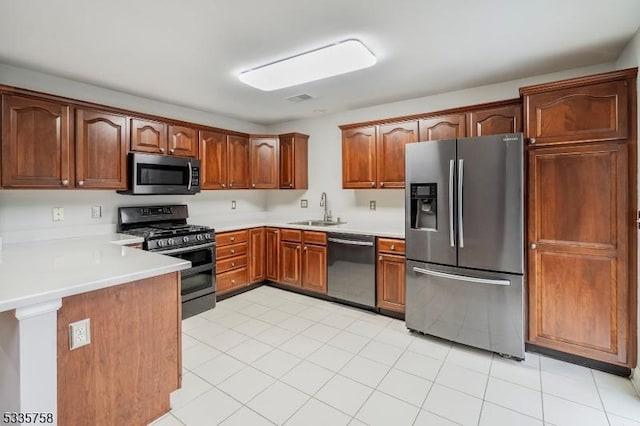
(158, 174)
(200, 279)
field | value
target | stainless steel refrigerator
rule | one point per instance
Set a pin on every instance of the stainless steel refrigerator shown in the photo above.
(464, 241)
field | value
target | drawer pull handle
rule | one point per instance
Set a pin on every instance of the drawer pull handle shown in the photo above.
(233, 264)
(233, 281)
(379, 257)
(532, 141)
(233, 238)
(233, 251)
(393, 246)
(161, 149)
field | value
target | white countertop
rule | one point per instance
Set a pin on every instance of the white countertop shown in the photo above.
(36, 272)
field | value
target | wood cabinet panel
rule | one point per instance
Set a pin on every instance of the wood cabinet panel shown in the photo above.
(232, 237)
(182, 141)
(391, 282)
(359, 158)
(213, 160)
(314, 237)
(294, 161)
(314, 268)
(391, 140)
(272, 254)
(443, 127)
(101, 145)
(389, 245)
(291, 235)
(595, 112)
(231, 280)
(148, 136)
(257, 248)
(496, 121)
(231, 250)
(264, 163)
(230, 263)
(238, 162)
(37, 150)
(290, 263)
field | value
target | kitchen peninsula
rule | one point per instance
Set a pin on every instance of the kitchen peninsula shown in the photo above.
(132, 300)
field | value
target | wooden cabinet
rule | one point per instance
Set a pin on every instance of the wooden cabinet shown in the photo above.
(272, 254)
(101, 147)
(581, 202)
(293, 161)
(238, 162)
(37, 149)
(443, 127)
(290, 256)
(495, 121)
(390, 274)
(314, 261)
(391, 140)
(359, 157)
(148, 136)
(232, 250)
(263, 157)
(182, 141)
(257, 252)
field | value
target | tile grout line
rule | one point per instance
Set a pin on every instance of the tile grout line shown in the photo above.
(595, 382)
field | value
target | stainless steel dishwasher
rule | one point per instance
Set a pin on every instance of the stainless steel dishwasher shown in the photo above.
(351, 273)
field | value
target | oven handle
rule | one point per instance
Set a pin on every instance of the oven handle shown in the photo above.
(190, 175)
(186, 249)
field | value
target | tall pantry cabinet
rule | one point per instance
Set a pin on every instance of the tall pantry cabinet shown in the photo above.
(581, 160)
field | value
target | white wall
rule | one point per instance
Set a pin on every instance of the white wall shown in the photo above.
(629, 58)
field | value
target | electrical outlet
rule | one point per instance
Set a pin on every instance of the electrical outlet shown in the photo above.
(304, 204)
(58, 214)
(233, 204)
(79, 333)
(96, 212)
(372, 205)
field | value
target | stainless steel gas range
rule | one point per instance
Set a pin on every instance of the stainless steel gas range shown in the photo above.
(165, 230)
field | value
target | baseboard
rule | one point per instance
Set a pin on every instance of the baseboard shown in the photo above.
(635, 379)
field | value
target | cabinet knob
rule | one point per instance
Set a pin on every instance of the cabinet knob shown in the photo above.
(172, 150)
(161, 149)
(80, 183)
(233, 264)
(290, 185)
(532, 141)
(381, 184)
(253, 185)
(224, 186)
(230, 184)
(233, 239)
(305, 247)
(233, 281)
(65, 182)
(393, 246)
(233, 251)
(373, 184)
(297, 247)
(379, 257)
(533, 246)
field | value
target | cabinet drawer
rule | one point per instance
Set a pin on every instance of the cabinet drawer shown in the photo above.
(389, 245)
(313, 237)
(231, 250)
(231, 263)
(230, 280)
(291, 235)
(234, 237)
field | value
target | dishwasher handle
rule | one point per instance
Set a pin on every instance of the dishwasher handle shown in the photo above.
(350, 242)
(460, 277)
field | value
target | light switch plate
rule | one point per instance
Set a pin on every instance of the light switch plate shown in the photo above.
(79, 333)
(304, 204)
(233, 204)
(372, 205)
(96, 212)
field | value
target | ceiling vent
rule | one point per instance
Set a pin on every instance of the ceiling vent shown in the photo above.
(300, 98)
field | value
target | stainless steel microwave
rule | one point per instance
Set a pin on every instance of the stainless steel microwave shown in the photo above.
(151, 174)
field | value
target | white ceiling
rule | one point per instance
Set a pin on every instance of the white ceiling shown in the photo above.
(189, 52)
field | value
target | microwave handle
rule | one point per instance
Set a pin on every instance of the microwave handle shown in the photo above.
(190, 176)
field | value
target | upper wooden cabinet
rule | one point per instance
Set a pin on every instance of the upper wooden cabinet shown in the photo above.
(148, 136)
(443, 127)
(263, 157)
(359, 157)
(238, 162)
(213, 158)
(182, 141)
(101, 147)
(293, 161)
(495, 121)
(391, 139)
(565, 113)
(37, 149)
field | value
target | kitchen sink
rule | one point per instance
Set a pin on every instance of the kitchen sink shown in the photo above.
(317, 222)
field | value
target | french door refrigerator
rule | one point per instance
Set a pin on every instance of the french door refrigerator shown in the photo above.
(464, 241)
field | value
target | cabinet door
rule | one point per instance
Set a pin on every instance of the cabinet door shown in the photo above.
(596, 112)
(287, 165)
(391, 282)
(101, 144)
(148, 136)
(391, 141)
(314, 268)
(359, 157)
(36, 145)
(213, 160)
(293, 161)
(272, 251)
(183, 141)
(290, 263)
(264, 163)
(257, 247)
(579, 291)
(238, 162)
(443, 127)
(496, 121)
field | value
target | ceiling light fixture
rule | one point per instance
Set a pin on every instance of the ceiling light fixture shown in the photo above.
(338, 58)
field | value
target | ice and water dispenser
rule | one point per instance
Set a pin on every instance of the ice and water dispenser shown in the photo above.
(424, 206)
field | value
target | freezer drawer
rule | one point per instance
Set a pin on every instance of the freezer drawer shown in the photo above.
(476, 308)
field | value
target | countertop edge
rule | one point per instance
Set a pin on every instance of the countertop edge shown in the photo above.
(329, 229)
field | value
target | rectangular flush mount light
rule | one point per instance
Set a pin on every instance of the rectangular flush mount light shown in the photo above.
(338, 58)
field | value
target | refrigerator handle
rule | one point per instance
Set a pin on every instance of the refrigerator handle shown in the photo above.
(460, 277)
(460, 209)
(452, 241)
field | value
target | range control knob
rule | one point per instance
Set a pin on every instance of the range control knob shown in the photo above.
(185, 239)
(162, 243)
(170, 241)
(207, 236)
(199, 237)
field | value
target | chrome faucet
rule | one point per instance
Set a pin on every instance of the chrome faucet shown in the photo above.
(323, 203)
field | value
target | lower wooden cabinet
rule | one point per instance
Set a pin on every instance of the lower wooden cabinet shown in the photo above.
(391, 275)
(290, 265)
(271, 255)
(303, 259)
(257, 247)
(232, 267)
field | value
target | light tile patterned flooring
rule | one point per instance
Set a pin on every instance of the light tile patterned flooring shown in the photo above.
(270, 356)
